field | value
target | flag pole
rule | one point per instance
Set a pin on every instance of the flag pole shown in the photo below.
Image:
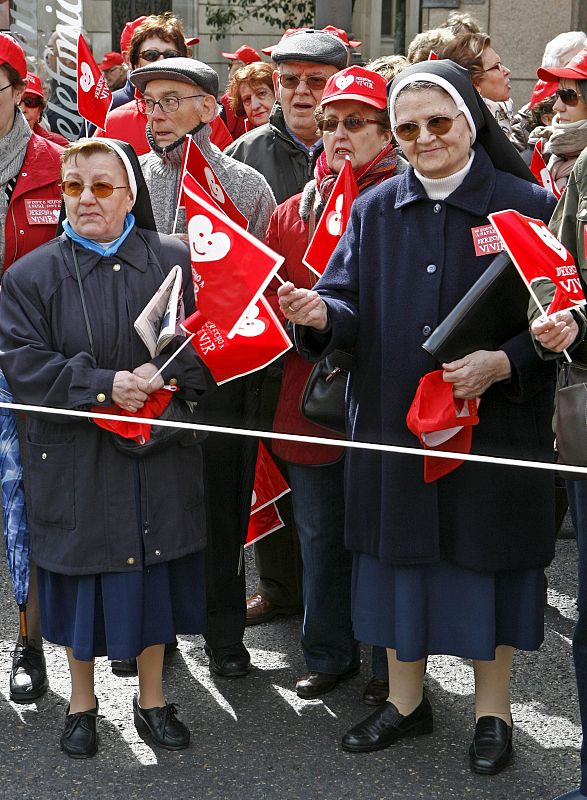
(172, 357)
(185, 161)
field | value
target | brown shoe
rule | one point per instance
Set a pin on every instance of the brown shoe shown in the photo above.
(259, 610)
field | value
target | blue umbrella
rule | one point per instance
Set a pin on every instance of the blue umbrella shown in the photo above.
(16, 532)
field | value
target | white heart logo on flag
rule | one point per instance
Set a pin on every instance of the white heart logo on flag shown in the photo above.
(344, 80)
(204, 243)
(215, 188)
(250, 325)
(550, 240)
(86, 80)
(334, 219)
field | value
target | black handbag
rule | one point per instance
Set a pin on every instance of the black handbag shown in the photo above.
(323, 399)
(162, 436)
(571, 418)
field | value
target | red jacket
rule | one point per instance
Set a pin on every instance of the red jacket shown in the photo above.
(57, 138)
(38, 180)
(287, 234)
(235, 125)
(128, 124)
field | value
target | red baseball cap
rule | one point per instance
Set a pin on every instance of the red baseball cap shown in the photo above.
(33, 85)
(542, 90)
(289, 32)
(575, 70)
(441, 422)
(110, 60)
(342, 34)
(356, 83)
(244, 53)
(128, 31)
(12, 53)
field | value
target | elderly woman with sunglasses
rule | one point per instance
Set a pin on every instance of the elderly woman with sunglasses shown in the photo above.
(117, 540)
(32, 105)
(354, 123)
(452, 565)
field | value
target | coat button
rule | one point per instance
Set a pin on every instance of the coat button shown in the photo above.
(431, 269)
(426, 330)
(437, 208)
(44, 456)
(130, 561)
(24, 174)
(100, 397)
(173, 381)
(21, 233)
(157, 552)
(116, 267)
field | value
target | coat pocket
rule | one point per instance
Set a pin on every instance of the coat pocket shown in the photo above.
(52, 482)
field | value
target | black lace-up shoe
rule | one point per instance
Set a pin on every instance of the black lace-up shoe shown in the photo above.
(80, 737)
(161, 726)
(28, 676)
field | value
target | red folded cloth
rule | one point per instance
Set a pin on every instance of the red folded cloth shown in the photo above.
(154, 406)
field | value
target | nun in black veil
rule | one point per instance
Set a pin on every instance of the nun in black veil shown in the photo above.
(118, 541)
(451, 563)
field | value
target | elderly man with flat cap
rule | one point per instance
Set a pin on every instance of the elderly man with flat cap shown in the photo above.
(179, 96)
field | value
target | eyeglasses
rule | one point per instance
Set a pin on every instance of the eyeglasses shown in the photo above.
(568, 96)
(98, 188)
(313, 82)
(9, 86)
(499, 66)
(155, 55)
(31, 102)
(330, 124)
(167, 104)
(437, 126)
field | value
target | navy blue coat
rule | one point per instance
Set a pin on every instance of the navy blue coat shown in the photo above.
(82, 513)
(384, 299)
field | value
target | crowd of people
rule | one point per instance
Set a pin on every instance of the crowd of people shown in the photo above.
(375, 549)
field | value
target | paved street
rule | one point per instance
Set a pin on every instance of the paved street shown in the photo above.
(253, 738)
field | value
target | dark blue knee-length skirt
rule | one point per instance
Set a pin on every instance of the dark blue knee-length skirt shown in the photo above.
(446, 609)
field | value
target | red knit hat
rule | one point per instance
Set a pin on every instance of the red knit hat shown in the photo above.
(128, 31)
(441, 422)
(356, 83)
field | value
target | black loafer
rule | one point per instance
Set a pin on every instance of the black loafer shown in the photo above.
(80, 737)
(124, 666)
(386, 725)
(313, 684)
(161, 726)
(491, 749)
(376, 691)
(229, 662)
(28, 675)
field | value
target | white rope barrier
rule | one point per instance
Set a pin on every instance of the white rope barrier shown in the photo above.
(290, 437)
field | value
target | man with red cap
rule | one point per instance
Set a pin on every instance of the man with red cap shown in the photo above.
(243, 55)
(114, 70)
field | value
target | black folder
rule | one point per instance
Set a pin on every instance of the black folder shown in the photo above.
(494, 310)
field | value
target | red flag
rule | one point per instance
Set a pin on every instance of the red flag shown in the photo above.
(155, 405)
(432, 56)
(540, 170)
(258, 341)
(230, 268)
(198, 167)
(542, 90)
(269, 484)
(538, 255)
(263, 523)
(94, 98)
(333, 221)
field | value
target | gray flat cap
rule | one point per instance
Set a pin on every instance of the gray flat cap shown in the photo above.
(184, 70)
(310, 45)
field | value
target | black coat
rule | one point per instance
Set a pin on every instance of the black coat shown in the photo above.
(384, 298)
(82, 513)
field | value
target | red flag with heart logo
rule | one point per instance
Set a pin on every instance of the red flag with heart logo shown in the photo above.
(195, 163)
(269, 484)
(263, 523)
(538, 255)
(258, 340)
(540, 170)
(333, 221)
(94, 98)
(230, 268)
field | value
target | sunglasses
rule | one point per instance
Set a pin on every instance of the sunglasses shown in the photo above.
(568, 96)
(313, 82)
(330, 124)
(98, 188)
(437, 126)
(31, 102)
(155, 55)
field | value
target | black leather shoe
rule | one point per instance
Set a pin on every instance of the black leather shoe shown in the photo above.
(376, 691)
(386, 725)
(229, 662)
(491, 749)
(28, 676)
(576, 794)
(124, 666)
(313, 684)
(80, 738)
(161, 726)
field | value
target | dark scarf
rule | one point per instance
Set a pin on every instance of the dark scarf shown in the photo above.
(378, 169)
(163, 152)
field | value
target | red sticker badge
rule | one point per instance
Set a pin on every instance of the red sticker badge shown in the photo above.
(42, 212)
(486, 240)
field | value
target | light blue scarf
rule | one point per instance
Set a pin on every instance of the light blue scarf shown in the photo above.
(90, 244)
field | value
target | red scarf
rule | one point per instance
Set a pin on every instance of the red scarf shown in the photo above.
(375, 171)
